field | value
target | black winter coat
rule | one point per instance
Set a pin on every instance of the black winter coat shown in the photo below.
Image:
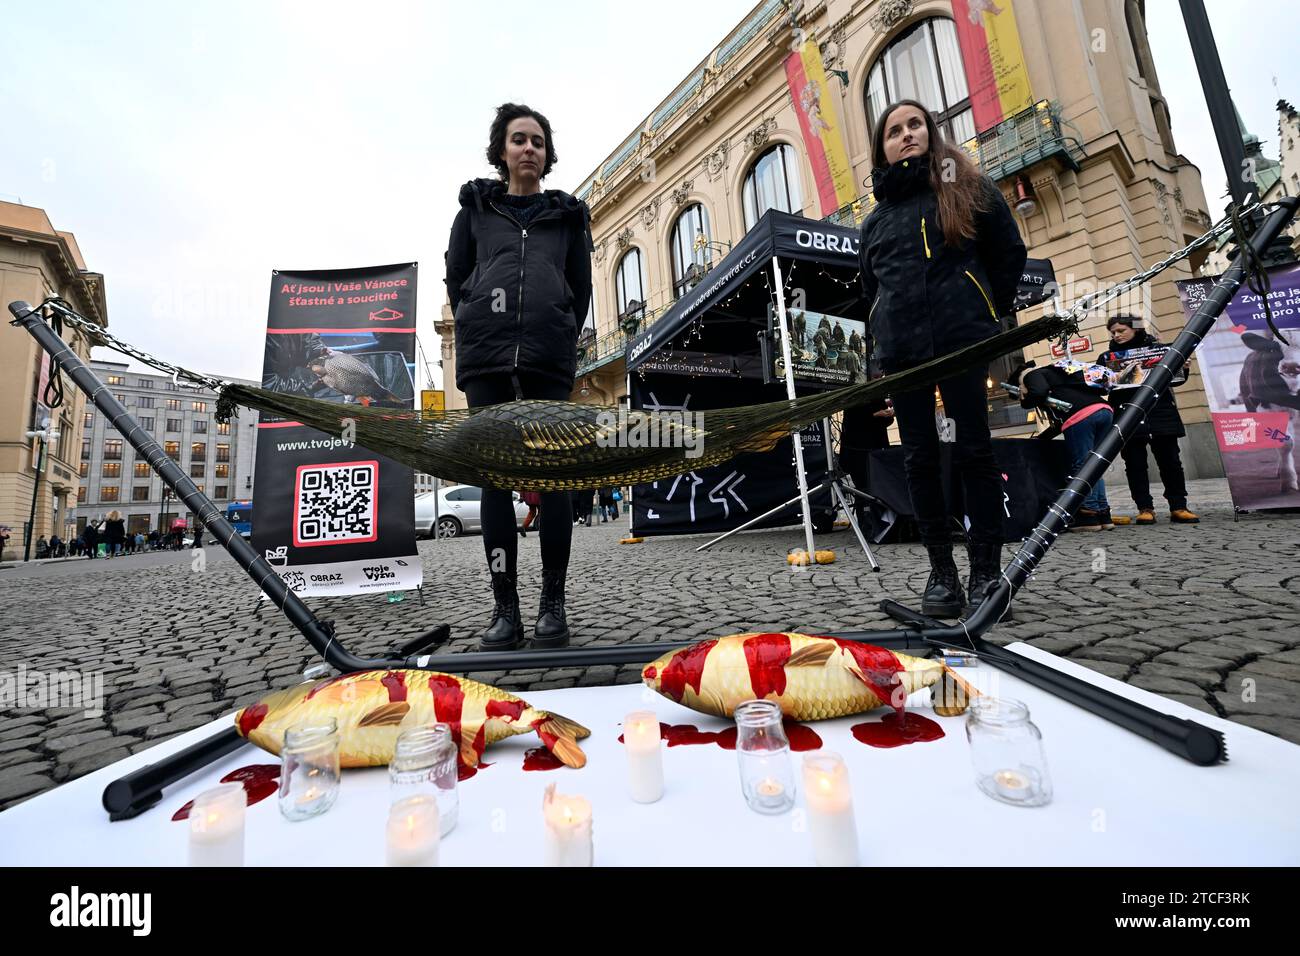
(1161, 421)
(928, 298)
(1052, 381)
(518, 294)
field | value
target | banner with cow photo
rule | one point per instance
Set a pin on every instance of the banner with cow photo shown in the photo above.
(1253, 380)
(330, 516)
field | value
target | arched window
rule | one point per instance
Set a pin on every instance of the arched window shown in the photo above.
(924, 64)
(629, 286)
(772, 183)
(689, 262)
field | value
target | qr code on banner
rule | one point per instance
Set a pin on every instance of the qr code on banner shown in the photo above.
(336, 503)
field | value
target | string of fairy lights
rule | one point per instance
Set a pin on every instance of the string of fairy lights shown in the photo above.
(669, 361)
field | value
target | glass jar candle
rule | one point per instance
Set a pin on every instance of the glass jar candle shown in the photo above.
(309, 769)
(424, 765)
(763, 753)
(217, 826)
(1007, 752)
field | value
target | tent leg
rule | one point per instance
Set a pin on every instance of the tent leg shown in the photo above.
(802, 474)
(838, 489)
(753, 521)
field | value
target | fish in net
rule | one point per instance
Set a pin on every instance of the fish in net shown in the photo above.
(536, 445)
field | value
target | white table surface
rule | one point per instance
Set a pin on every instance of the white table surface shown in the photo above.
(1119, 799)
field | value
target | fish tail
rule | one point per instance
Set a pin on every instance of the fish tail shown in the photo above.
(952, 694)
(561, 736)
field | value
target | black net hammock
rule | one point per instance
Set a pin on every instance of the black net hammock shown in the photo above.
(535, 445)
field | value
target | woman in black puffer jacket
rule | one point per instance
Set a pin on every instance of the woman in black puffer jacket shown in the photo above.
(1161, 430)
(519, 282)
(940, 260)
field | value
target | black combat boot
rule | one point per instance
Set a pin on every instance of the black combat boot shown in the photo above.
(985, 571)
(552, 630)
(943, 595)
(506, 632)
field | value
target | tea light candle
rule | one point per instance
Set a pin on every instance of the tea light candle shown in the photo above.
(645, 761)
(830, 809)
(568, 829)
(768, 787)
(414, 832)
(217, 827)
(1011, 784)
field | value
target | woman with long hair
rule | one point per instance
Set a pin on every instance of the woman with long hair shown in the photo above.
(519, 282)
(941, 258)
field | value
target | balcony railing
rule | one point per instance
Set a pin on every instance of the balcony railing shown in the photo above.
(1016, 143)
(612, 345)
(1020, 141)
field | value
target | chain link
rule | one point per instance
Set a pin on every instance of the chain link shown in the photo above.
(1094, 300)
(99, 335)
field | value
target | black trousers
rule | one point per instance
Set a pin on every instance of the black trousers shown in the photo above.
(500, 539)
(965, 401)
(1168, 460)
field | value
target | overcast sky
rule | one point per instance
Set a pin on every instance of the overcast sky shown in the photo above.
(192, 148)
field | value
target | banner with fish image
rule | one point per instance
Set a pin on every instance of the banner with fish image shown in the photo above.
(330, 516)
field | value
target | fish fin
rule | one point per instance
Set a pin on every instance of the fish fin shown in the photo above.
(561, 736)
(953, 694)
(812, 655)
(387, 715)
(854, 668)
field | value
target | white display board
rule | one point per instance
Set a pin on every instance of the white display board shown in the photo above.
(1119, 799)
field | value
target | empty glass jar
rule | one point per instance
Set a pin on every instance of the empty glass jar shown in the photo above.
(309, 769)
(1007, 752)
(763, 753)
(424, 764)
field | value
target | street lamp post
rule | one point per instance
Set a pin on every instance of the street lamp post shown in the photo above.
(41, 435)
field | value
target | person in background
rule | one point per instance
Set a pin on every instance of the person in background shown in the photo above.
(91, 535)
(57, 547)
(1161, 431)
(114, 533)
(42, 548)
(1083, 387)
(606, 503)
(534, 501)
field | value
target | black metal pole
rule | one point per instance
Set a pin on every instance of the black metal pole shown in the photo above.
(1241, 183)
(1130, 418)
(318, 633)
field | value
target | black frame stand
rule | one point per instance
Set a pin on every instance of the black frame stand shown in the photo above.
(841, 487)
(137, 791)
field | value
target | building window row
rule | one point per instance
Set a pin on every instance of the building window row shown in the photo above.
(923, 63)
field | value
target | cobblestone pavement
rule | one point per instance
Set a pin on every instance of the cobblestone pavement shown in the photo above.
(1207, 614)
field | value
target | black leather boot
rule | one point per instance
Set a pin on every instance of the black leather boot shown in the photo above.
(552, 629)
(943, 595)
(506, 631)
(985, 570)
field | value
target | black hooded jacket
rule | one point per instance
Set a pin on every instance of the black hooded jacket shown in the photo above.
(1161, 421)
(928, 298)
(518, 294)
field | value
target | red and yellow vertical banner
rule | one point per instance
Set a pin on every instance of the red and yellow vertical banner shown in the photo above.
(995, 65)
(806, 77)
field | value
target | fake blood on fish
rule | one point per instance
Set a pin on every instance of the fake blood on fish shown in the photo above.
(260, 780)
(895, 730)
(539, 758)
(801, 736)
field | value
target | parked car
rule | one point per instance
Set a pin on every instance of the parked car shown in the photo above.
(458, 511)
